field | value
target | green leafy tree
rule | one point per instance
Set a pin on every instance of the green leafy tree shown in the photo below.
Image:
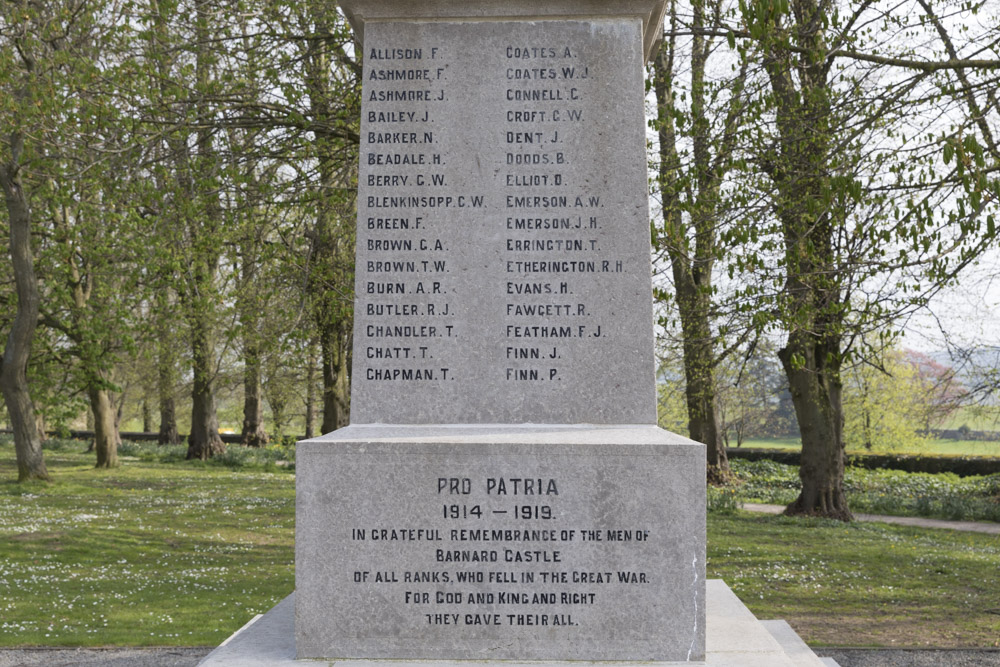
(62, 100)
(873, 202)
(884, 404)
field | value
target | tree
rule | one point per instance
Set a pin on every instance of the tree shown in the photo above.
(17, 351)
(32, 77)
(694, 158)
(854, 159)
(166, 365)
(867, 220)
(883, 404)
(178, 101)
(940, 391)
(752, 386)
(334, 107)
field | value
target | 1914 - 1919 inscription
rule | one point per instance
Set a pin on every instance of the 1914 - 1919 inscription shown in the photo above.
(503, 255)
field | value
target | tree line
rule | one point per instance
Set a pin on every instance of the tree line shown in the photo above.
(179, 179)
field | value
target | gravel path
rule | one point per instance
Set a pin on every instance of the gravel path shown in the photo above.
(890, 657)
(917, 521)
(103, 657)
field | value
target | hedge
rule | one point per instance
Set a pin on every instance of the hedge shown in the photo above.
(963, 466)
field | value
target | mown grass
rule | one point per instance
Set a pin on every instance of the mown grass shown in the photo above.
(184, 553)
(145, 554)
(927, 447)
(861, 584)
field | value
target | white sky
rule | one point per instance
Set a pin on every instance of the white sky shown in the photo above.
(969, 313)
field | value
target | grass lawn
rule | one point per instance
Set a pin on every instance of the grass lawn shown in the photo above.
(932, 447)
(861, 584)
(180, 553)
(895, 492)
(146, 554)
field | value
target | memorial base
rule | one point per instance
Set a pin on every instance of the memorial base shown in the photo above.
(735, 638)
(501, 542)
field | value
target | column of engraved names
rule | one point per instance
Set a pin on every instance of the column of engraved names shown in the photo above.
(495, 553)
(551, 224)
(404, 189)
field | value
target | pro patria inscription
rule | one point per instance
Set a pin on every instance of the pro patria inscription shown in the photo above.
(503, 247)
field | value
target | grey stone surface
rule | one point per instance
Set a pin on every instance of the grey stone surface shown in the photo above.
(500, 542)
(503, 287)
(734, 635)
(503, 267)
(649, 12)
(792, 644)
(174, 656)
(268, 642)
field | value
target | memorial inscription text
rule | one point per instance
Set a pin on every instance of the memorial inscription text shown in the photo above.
(486, 245)
(497, 551)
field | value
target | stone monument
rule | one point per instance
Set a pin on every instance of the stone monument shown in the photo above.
(503, 491)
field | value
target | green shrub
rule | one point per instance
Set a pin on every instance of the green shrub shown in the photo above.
(61, 444)
(723, 500)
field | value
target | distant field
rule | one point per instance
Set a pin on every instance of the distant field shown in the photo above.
(977, 419)
(937, 447)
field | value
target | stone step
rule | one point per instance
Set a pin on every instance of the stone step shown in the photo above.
(733, 635)
(792, 644)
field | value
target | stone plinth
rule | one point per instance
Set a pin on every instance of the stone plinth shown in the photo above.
(500, 542)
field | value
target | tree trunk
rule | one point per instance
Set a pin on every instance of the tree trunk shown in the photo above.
(253, 434)
(812, 307)
(168, 411)
(203, 221)
(14, 369)
(336, 392)
(147, 416)
(691, 246)
(699, 372)
(105, 429)
(816, 391)
(204, 441)
(165, 374)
